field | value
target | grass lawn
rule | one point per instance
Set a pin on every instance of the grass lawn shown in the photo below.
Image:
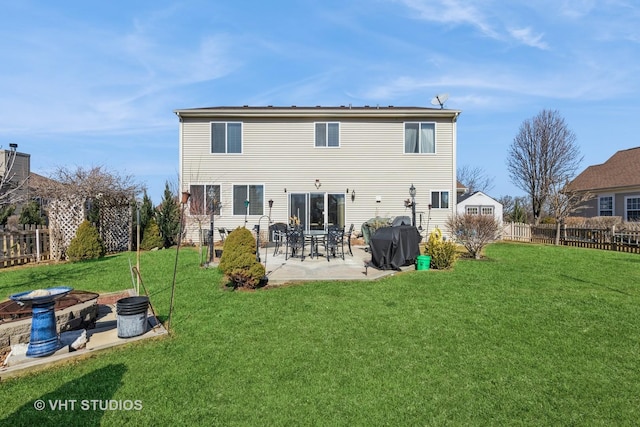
(532, 335)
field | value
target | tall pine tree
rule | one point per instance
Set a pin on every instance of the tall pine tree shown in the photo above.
(169, 217)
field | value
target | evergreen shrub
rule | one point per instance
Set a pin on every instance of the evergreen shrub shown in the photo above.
(151, 237)
(238, 261)
(86, 245)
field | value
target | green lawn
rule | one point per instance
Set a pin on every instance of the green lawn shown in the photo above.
(532, 335)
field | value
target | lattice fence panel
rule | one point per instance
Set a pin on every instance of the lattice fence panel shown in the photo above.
(65, 216)
(115, 227)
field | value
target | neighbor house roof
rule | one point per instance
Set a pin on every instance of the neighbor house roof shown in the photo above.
(621, 170)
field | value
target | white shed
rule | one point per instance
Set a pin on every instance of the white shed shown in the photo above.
(478, 203)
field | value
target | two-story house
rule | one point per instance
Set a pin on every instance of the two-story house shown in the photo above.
(322, 165)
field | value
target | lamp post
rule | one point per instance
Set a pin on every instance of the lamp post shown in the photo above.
(138, 205)
(246, 211)
(412, 193)
(257, 230)
(212, 198)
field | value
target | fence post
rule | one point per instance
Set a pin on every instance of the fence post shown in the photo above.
(614, 245)
(37, 244)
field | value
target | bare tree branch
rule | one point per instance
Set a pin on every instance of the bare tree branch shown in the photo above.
(475, 179)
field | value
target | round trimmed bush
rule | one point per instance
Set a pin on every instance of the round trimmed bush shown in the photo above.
(238, 261)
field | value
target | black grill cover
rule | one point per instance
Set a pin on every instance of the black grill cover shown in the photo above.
(394, 247)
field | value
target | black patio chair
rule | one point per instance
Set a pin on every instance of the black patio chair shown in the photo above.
(278, 236)
(347, 236)
(295, 242)
(334, 243)
(223, 233)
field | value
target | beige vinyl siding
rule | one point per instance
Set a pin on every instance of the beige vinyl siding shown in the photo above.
(281, 154)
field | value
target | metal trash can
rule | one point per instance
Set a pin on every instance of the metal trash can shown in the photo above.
(132, 316)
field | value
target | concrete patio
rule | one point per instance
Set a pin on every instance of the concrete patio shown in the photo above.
(103, 335)
(354, 267)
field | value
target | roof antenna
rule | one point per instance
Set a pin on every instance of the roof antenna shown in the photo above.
(440, 100)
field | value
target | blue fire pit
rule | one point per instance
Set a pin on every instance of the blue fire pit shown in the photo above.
(44, 339)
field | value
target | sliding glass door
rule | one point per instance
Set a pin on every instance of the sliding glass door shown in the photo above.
(317, 211)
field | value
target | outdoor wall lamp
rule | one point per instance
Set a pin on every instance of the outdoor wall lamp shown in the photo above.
(353, 195)
(318, 184)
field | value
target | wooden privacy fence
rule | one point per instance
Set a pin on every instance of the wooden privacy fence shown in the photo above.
(613, 238)
(27, 244)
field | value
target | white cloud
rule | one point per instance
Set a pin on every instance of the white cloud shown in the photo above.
(526, 36)
(453, 12)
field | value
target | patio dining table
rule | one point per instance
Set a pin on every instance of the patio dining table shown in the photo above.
(315, 237)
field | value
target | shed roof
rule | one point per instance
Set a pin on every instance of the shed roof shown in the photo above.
(621, 170)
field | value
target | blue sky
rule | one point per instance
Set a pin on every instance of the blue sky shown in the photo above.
(95, 83)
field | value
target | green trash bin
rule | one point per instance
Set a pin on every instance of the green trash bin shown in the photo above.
(423, 262)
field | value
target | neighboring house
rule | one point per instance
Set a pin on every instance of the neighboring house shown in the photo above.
(323, 165)
(478, 203)
(461, 189)
(615, 186)
(15, 187)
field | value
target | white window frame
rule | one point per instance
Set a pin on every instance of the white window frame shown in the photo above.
(606, 196)
(326, 134)
(206, 209)
(626, 206)
(440, 199)
(226, 137)
(404, 139)
(472, 210)
(233, 199)
(487, 210)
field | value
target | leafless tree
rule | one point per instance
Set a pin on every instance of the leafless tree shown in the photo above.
(474, 232)
(97, 181)
(543, 152)
(563, 202)
(475, 179)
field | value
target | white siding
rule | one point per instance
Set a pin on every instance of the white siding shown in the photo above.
(280, 154)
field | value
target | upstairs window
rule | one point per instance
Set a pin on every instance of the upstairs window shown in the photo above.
(327, 134)
(226, 137)
(605, 206)
(419, 138)
(440, 199)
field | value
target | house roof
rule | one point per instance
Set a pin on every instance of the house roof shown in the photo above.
(298, 111)
(621, 170)
(470, 195)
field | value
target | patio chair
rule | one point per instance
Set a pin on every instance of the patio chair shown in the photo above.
(295, 242)
(334, 243)
(223, 233)
(347, 236)
(278, 236)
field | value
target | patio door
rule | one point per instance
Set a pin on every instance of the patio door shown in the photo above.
(317, 210)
